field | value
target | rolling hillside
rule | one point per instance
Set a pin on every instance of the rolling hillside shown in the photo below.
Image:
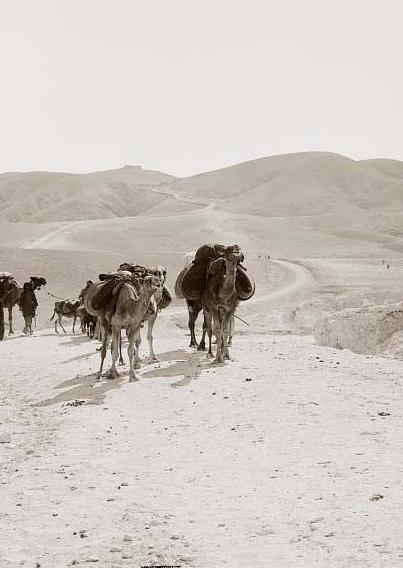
(38, 197)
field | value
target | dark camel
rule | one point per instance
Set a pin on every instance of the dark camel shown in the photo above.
(13, 297)
(220, 299)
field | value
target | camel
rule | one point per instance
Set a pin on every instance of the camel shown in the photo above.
(67, 309)
(14, 295)
(159, 300)
(7, 285)
(220, 299)
(194, 308)
(88, 322)
(132, 297)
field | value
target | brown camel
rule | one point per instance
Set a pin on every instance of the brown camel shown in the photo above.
(159, 301)
(65, 309)
(220, 299)
(132, 300)
(13, 298)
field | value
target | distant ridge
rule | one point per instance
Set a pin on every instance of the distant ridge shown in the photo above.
(308, 184)
(38, 197)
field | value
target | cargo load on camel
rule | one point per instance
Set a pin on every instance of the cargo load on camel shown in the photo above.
(160, 272)
(191, 281)
(108, 288)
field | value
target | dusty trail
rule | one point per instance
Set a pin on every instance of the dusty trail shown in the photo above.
(299, 277)
(280, 456)
(38, 243)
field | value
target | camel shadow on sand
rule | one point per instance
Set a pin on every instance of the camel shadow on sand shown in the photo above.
(85, 388)
(185, 365)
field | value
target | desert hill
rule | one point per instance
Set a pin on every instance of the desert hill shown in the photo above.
(319, 189)
(38, 197)
(304, 184)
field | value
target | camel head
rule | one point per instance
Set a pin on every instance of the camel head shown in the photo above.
(224, 267)
(37, 282)
(161, 273)
(151, 283)
(233, 254)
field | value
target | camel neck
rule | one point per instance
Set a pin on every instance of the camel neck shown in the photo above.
(229, 280)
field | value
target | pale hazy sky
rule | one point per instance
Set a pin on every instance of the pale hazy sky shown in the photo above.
(191, 85)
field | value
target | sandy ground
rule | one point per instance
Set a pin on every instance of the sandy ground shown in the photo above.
(291, 455)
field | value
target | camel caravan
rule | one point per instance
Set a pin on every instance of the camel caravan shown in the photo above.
(213, 281)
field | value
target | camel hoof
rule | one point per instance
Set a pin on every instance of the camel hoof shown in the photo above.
(154, 359)
(209, 355)
(137, 365)
(201, 348)
(112, 375)
(133, 379)
(121, 362)
(10, 333)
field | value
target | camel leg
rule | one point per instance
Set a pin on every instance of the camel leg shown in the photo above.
(227, 331)
(56, 330)
(231, 330)
(28, 324)
(98, 331)
(193, 313)
(150, 338)
(10, 321)
(104, 327)
(202, 344)
(220, 330)
(131, 354)
(1, 323)
(74, 323)
(137, 363)
(61, 323)
(209, 325)
(91, 330)
(121, 362)
(113, 374)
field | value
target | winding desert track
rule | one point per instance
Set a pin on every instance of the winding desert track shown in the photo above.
(37, 243)
(299, 277)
